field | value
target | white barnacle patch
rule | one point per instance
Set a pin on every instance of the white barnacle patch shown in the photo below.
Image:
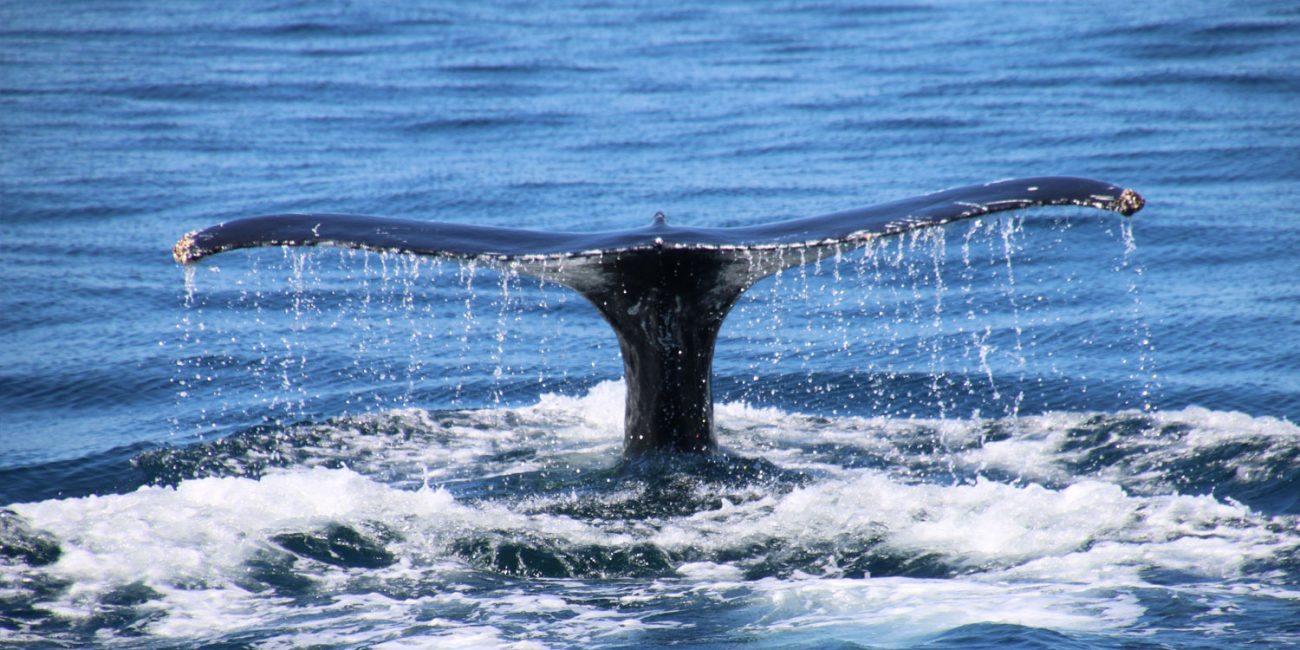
(184, 251)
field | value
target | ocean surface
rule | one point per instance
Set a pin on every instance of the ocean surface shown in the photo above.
(1056, 428)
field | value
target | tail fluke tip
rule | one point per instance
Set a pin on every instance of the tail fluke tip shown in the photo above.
(1129, 203)
(185, 250)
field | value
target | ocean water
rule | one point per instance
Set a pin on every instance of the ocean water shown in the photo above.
(1058, 428)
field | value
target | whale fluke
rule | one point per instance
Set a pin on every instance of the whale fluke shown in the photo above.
(664, 289)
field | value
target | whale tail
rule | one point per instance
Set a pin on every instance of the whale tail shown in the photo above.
(664, 289)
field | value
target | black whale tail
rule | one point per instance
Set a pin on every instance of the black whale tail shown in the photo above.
(664, 289)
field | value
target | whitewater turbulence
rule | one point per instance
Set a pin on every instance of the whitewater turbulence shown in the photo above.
(507, 527)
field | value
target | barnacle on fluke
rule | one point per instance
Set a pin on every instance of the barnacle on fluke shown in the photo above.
(1129, 203)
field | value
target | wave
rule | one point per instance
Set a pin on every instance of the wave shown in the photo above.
(903, 528)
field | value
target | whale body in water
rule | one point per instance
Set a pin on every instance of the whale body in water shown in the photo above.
(665, 289)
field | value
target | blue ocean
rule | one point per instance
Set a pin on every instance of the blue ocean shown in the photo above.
(1048, 428)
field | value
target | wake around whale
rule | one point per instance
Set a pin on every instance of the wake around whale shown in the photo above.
(664, 289)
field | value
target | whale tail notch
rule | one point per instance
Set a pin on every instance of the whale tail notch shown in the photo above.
(665, 290)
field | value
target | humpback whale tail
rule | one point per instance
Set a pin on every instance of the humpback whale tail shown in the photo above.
(664, 289)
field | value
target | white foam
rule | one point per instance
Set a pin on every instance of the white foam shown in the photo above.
(1067, 553)
(458, 638)
(980, 525)
(190, 543)
(1220, 423)
(898, 611)
(1037, 451)
(601, 409)
(710, 572)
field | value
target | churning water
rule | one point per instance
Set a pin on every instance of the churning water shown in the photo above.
(1052, 429)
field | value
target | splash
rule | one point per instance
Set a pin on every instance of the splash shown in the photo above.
(361, 528)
